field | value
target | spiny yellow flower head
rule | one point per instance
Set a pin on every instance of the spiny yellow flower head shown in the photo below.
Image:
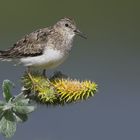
(58, 89)
(74, 90)
(40, 88)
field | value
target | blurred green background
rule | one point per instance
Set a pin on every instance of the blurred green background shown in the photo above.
(110, 56)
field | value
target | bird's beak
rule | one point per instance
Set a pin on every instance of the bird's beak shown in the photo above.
(78, 32)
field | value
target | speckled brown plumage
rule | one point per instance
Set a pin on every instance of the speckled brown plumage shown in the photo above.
(34, 43)
(30, 45)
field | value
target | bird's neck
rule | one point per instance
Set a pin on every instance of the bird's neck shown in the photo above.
(67, 42)
(63, 41)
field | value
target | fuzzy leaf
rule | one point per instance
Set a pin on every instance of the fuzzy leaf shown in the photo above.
(8, 124)
(1, 106)
(23, 107)
(6, 89)
(22, 102)
(2, 103)
(21, 117)
(20, 97)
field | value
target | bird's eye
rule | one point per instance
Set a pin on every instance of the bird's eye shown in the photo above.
(66, 25)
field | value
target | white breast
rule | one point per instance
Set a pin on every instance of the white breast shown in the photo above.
(49, 59)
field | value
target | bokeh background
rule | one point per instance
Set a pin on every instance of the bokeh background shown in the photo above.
(110, 56)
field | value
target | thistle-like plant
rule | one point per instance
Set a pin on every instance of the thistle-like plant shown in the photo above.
(57, 90)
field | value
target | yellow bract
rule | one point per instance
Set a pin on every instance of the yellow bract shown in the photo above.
(74, 90)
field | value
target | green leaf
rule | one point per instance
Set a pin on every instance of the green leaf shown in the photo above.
(8, 124)
(2, 103)
(20, 97)
(24, 109)
(6, 89)
(1, 114)
(22, 102)
(23, 106)
(21, 117)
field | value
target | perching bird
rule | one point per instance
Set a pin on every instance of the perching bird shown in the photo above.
(45, 48)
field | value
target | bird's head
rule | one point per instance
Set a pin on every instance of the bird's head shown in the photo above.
(68, 26)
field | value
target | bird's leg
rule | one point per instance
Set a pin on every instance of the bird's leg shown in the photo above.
(29, 73)
(30, 76)
(44, 73)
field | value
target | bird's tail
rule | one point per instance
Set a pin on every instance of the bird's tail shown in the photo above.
(1, 52)
(3, 57)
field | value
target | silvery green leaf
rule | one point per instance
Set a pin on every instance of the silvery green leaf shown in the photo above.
(23, 106)
(21, 117)
(8, 124)
(2, 103)
(6, 89)
(19, 97)
(1, 114)
(24, 109)
(21, 101)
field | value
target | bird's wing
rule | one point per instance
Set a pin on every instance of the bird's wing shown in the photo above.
(30, 45)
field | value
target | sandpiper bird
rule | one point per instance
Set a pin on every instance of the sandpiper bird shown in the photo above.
(45, 48)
